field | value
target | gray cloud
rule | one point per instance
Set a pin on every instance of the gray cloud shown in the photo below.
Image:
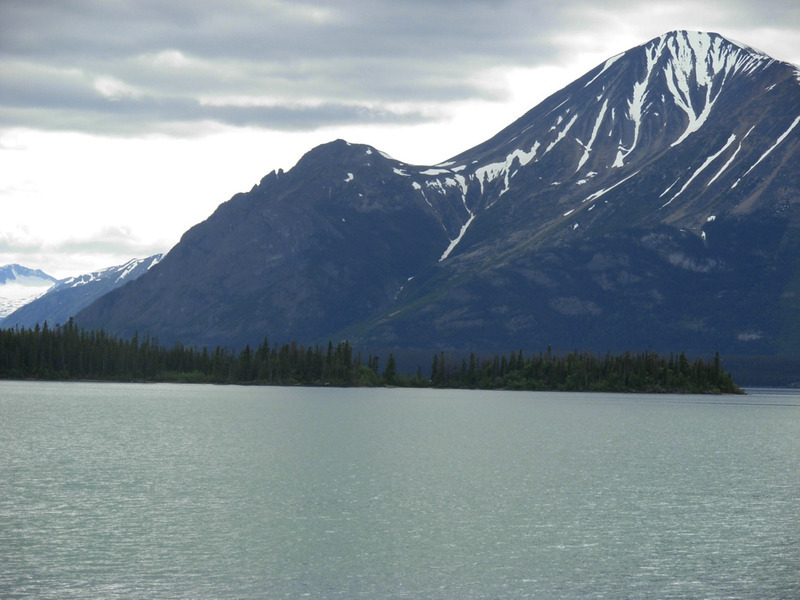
(111, 240)
(141, 66)
(76, 256)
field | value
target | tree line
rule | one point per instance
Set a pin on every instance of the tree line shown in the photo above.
(581, 371)
(66, 352)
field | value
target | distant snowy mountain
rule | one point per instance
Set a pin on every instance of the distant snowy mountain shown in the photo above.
(654, 201)
(19, 285)
(64, 299)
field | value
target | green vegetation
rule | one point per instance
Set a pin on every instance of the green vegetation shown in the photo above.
(627, 372)
(69, 353)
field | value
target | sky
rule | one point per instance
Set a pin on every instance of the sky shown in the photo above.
(123, 123)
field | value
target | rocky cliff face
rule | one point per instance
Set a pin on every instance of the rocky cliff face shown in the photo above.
(652, 202)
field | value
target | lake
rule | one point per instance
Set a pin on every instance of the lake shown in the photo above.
(200, 491)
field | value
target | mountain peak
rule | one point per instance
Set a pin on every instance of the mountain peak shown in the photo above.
(703, 42)
(18, 273)
(705, 55)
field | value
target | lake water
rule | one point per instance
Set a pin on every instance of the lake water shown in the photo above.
(181, 491)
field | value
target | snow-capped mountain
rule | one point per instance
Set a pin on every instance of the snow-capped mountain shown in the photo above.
(68, 296)
(655, 201)
(674, 129)
(19, 285)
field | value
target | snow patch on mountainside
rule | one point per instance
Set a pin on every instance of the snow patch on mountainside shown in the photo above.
(587, 148)
(769, 150)
(607, 64)
(731, 159)
(707, 162)
(636, 104)
(116, 274)
(129, 267)
(493, 171)
(686, 62)
(561, 134)
(454, 243)
(599, 193)
(699, 61)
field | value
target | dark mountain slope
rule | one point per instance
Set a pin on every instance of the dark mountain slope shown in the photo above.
(654, 201)
(303, 253)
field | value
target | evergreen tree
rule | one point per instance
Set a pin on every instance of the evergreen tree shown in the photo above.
(390, 372)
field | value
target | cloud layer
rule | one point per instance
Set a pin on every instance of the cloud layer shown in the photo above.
(134, 66)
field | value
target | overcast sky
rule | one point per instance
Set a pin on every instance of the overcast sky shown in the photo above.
(123, 123)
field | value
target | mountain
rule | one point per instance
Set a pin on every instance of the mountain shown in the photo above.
(654, 202)
(68, 296)
(19, 285)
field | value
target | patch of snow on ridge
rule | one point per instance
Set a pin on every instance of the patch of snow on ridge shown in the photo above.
(702, 58)
(597, 194)
(454, 243)
(730, 160)
(707, 162)
(418, 187)
(436, 185)
(462, 183)
(128, 268)
(607, 64)
(561, 134)
(672, 185)
(588, 147)
(81, 280)
(775, 145)
(492, 171)
(637, 102)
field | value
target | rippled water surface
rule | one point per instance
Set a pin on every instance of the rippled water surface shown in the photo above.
(179, 491)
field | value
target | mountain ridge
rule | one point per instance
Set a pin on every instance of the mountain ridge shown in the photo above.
(66, 297)
(591, 221)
